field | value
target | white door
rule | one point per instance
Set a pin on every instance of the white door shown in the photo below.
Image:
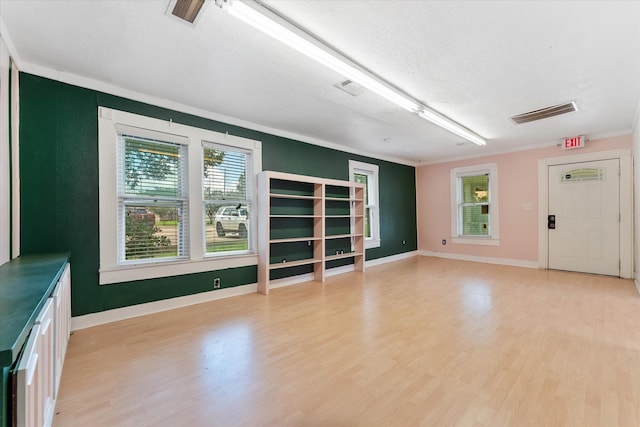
(584, 207)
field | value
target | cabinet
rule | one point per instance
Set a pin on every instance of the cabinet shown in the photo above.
(35, 320)
(35, 375)
(40, 366)
(307, 225)
(61, 299)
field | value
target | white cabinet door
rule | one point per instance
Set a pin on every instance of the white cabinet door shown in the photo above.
(46, 329)
(29, 409)
(35, 401)
(40, 366)
(62, 315)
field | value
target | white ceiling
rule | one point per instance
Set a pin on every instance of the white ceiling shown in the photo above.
(476, 62)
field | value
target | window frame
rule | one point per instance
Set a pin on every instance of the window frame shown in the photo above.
(125, 198)
(374, 197)
(252, 223)
(110, 271)
(456, 175)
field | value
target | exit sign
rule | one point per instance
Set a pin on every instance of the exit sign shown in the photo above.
(573, 142)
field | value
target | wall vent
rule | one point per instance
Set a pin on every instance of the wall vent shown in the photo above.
(545, 113)
(187, 9)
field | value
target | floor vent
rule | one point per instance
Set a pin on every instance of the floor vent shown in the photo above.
(545, 113)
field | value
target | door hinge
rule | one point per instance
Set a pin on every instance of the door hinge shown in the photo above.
(619, 217)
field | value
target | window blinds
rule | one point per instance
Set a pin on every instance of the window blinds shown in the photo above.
(152, 199)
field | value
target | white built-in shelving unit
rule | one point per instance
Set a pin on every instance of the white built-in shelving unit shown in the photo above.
(307, 224)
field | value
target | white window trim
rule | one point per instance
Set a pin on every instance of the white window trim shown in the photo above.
(5, 160)
(110, 271)
(15, 161)
(355, 166)
(181, 141)
(253, 223)
(456, 174)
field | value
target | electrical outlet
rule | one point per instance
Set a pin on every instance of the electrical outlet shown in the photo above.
(444, 242)
(216, 283)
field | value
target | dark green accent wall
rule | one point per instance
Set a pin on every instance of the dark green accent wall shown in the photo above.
(59, 190)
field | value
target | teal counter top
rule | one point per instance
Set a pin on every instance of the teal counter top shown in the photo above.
(25, 284)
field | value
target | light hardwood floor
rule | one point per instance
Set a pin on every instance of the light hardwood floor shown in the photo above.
(424, 341)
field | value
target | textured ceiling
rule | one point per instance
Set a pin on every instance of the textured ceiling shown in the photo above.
(477, 62)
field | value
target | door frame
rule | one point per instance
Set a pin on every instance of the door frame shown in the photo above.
(626, 203)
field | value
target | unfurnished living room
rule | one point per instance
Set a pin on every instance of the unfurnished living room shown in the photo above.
(319, 213)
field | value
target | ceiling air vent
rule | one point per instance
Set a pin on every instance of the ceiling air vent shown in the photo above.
(352, 88)
(187, 9)
(545, 113)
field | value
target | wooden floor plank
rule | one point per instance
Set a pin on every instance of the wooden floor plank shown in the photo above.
(424, 341)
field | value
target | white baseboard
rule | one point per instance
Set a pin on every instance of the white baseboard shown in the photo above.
(390, 258)
(95, 319)
(486, 260)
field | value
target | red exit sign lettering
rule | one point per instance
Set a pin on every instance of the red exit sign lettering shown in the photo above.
(573, 142)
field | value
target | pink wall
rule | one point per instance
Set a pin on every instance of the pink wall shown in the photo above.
(517, 185)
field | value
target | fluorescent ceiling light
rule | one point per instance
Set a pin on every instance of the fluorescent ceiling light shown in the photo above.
(448, 124)
(286, 33)
(265, 20)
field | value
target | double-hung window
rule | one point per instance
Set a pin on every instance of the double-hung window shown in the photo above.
(366, 173)
(153, 201)
(228, 199)
(474, 205)
(174, 199)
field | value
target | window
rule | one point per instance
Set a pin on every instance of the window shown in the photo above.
(367, 174)
(152, 200)
(227, 198)
(173, 199)
(474, 205)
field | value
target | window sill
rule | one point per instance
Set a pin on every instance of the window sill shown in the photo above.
(131, 273)
(480, 241)
(371, 243)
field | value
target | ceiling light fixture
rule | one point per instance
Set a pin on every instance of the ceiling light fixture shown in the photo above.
(284, 31)
(448, 124)
(268, 21)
